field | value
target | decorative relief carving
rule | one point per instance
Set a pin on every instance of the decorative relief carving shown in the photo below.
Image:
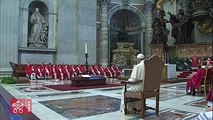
(205, 26)
(202, 50)
(186, 50)
(157, 50)
(124, 55)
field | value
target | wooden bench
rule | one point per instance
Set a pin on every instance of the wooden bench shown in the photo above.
(19, 72)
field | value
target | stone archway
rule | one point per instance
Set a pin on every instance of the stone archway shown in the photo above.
(126, 26)
(37, 54)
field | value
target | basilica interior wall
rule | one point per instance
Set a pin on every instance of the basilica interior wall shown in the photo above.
(71, 24)
(76, 26)
(67, 31)
(9, 29)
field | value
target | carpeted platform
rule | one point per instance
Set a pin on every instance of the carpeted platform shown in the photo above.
(184, 74)
(70, 87)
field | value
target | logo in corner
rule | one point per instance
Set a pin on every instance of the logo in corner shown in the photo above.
(21, 106)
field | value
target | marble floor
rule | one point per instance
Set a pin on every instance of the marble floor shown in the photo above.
(104, 103)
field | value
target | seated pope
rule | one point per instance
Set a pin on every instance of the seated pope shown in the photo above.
(134, 84)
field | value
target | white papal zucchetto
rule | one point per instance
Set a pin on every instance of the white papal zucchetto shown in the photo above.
(140, 56)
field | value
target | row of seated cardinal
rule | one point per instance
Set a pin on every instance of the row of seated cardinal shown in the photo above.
(196, 62)
(63, 72)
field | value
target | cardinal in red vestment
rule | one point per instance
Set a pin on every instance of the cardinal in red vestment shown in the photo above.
(196, 80)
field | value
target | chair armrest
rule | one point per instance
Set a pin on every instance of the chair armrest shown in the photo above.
(129, 82)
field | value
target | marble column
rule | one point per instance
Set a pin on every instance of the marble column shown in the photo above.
(149, 30)
(23, 27)
(104, 34)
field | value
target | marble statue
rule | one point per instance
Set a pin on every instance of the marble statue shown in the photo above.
(160, 32)
(119, 59)
(179, 26)
(125, 55)
(39, 29)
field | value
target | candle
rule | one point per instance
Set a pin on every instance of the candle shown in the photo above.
(85, 48)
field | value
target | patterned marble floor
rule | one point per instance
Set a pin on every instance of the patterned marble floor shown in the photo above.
(104, 103)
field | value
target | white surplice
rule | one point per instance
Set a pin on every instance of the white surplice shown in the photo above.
(137, 74)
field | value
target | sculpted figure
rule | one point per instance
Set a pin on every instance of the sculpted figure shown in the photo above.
(160, 32)
(179, 26)
(123, 35)
(39, 28)
(119, 59)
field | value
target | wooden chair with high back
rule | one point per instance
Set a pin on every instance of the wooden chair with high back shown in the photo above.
(208, 81)
(150, 85)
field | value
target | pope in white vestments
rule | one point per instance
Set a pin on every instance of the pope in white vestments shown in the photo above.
(137, 76)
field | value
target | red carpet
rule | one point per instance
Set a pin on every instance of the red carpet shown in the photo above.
(70, 87)
(187, 72)
(184, 74)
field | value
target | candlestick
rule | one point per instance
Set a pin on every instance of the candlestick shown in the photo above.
(85, 48)
(86, 63)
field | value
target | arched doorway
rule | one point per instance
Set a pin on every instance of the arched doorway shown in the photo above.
(125, 37)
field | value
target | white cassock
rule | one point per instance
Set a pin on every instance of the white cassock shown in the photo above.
(136, 75)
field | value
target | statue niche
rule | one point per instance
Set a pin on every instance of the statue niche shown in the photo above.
(125, 38)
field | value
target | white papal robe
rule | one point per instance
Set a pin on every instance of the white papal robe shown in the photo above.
(137, 74)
